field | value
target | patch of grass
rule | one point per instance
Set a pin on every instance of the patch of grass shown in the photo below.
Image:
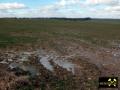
(96, 32)
(7, 40)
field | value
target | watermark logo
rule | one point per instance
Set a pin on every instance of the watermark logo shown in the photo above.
(108, 82)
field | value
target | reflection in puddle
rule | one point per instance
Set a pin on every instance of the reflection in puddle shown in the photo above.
(31, 69)
(45, 62)
(44, 59)
(65, 64)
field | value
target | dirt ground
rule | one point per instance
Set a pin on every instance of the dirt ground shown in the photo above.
(45, 69)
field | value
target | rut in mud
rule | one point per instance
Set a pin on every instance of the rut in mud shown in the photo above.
(48, 70)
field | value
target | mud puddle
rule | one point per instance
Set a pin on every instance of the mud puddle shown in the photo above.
(65, 64)
(46, 62)
(17, 60)
(38, 64)
(27, 68)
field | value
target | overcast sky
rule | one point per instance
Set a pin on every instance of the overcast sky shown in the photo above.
(60, 8)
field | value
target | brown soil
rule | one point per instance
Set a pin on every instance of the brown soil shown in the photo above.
(91, 63)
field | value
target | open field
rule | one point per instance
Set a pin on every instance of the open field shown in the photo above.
(58, 54)
(18, 31)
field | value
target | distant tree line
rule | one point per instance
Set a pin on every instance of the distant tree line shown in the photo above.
(53, 18)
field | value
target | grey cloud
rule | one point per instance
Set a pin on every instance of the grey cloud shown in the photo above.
(4, 6)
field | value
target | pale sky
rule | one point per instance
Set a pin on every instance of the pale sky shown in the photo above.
(60, 8)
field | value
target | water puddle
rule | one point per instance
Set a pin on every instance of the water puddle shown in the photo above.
(44, 59)
(31, 69)
(46, 63)
(65, 64)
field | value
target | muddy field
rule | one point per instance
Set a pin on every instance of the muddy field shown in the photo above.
(45, 70)
(48, 70)
(57, 55)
